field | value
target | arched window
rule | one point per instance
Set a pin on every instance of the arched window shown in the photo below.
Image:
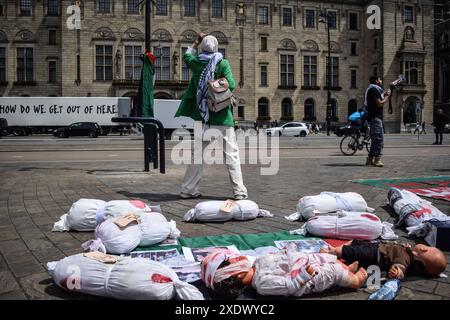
(163, 95)
(310, 112)
(263, 107)
(409, 111)
(352, 106)
(286, 108)
(412, 72)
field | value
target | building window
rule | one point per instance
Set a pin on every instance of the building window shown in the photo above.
(287, 17)
(353, 79)
(133, 62)
(353, 21)
(333, 110)
(133, 6)
(161, 7)
(26, 7)
(217, 8)
(104, 6)
(310, 18)
(353, 50)
(2, 64)
(2, 8)
(162, 66)
(52, 71)
(52, 7)
(263, 75)
(263, 44)
(103, 62)
(445, 84)
(409, 14)
(310, 110)
(241, 114)
(411, 72)
(287, 70)
(375, 43)
(189, 8)
(223, 52)
(263, 107)
(185, 71)
(52, 37)
(263, 15)
(24, 64)
(352, 107)
(332, 19)
(310, 71)
(334, 72)
(375, 70)
(286, 108)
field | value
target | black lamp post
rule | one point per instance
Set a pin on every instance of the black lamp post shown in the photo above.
(148, 24)
(325, 18)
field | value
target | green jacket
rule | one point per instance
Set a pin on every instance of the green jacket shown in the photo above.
(188, 106)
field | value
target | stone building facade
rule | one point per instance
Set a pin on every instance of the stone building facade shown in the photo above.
(277, 51)
(442, 56)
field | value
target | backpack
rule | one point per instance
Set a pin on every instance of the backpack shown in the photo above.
(219, 95)
(357, 117)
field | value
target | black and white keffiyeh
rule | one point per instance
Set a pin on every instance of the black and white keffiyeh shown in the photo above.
(207, 75)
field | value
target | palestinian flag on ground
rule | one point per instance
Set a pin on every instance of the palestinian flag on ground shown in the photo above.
(145, 92)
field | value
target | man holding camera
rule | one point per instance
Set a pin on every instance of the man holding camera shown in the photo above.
(375, 98)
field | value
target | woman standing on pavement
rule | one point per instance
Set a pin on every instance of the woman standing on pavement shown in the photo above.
(206, 65)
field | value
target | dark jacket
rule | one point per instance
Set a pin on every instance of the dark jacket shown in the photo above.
(188, 106)
(400, 256)
(440, 120)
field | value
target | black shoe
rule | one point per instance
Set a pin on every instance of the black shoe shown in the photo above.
(435, 143)
(190, 196)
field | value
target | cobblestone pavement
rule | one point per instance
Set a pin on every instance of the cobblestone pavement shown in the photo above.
(34, 195)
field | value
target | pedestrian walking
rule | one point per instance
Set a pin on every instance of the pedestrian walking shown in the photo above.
(423, 128)
(417, 128)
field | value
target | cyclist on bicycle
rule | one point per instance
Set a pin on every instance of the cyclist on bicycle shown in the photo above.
(358, 121)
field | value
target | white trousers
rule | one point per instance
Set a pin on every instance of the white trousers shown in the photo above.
(232, 160)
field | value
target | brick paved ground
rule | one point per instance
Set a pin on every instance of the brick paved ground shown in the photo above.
(33, 196)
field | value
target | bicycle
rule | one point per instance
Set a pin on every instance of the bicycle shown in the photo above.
(354, 142)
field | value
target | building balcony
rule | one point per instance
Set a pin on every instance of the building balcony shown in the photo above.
(310, 88)
(134, 84)
(412, 88)
(126, 83)
(284, 87)
(333, 88)
(24, 83)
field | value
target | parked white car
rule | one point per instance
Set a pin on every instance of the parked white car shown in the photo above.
(290, 129)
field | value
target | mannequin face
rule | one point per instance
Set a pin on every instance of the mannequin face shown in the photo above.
(432, 258)
(247, 276)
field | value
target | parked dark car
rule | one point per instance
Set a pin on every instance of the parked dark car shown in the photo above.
(91, 129)
(3, 127)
